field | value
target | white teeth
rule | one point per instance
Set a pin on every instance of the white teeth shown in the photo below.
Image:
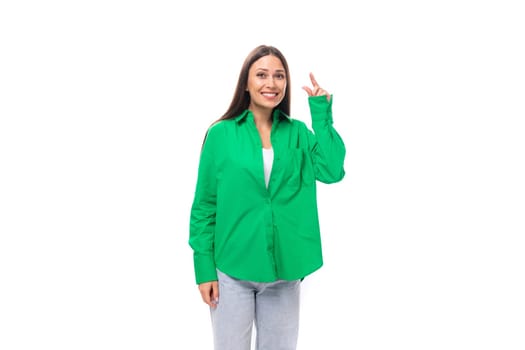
(268, 94)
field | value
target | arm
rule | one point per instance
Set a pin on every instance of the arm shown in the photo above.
(203, 210)
(326, 145)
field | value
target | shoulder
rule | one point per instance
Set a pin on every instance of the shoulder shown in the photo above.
(298, 125)
(218, 131)
(219, 127)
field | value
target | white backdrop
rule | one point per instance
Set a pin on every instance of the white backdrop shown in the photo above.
(103, 108)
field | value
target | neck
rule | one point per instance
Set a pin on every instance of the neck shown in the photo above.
(262, 118)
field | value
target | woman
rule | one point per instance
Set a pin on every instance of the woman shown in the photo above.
(254, 226)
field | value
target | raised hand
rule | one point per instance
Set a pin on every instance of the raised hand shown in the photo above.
(316, 90)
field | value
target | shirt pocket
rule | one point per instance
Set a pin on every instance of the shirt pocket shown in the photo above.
(298, 168)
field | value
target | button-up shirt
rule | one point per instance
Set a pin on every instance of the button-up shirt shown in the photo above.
(258, 233)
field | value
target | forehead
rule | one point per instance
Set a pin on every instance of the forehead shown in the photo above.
(269, 62)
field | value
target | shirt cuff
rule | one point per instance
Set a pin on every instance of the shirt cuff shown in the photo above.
(205, 270)
(320, 109)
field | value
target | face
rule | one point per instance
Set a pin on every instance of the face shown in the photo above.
(266, 83)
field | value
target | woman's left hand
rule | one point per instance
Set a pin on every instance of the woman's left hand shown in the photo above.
(316, 90)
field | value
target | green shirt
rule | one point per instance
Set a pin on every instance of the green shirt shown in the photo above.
(252, 232)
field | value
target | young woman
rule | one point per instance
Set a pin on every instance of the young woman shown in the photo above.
(254, 226)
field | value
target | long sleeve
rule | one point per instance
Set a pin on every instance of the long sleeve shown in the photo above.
(203, 212)
(327, 147)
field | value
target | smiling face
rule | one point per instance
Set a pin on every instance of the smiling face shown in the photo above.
(266, 84)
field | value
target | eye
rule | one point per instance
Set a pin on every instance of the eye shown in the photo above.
(261, 75)
(280, 76)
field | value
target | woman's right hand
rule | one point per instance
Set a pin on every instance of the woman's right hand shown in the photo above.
(316, 90)
(210, 293)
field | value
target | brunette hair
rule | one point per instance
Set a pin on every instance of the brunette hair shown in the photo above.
(241, 97)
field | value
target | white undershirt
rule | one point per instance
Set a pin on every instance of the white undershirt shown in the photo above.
(268, 162)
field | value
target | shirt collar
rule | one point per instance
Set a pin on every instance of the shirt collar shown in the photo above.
(278, 115)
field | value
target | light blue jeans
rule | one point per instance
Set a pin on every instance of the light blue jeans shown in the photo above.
(272, 307)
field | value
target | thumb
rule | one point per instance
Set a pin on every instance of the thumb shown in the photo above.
(215, 291)
(308, 90)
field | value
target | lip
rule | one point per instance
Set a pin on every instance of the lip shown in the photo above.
(270, 94)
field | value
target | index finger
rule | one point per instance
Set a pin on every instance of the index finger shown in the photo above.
(314, 82)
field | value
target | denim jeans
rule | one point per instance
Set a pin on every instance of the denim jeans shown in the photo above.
(272, 307)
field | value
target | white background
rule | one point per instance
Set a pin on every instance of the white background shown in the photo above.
(103, 107)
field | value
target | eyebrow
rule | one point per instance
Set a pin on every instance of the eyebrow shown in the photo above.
(266, 70)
